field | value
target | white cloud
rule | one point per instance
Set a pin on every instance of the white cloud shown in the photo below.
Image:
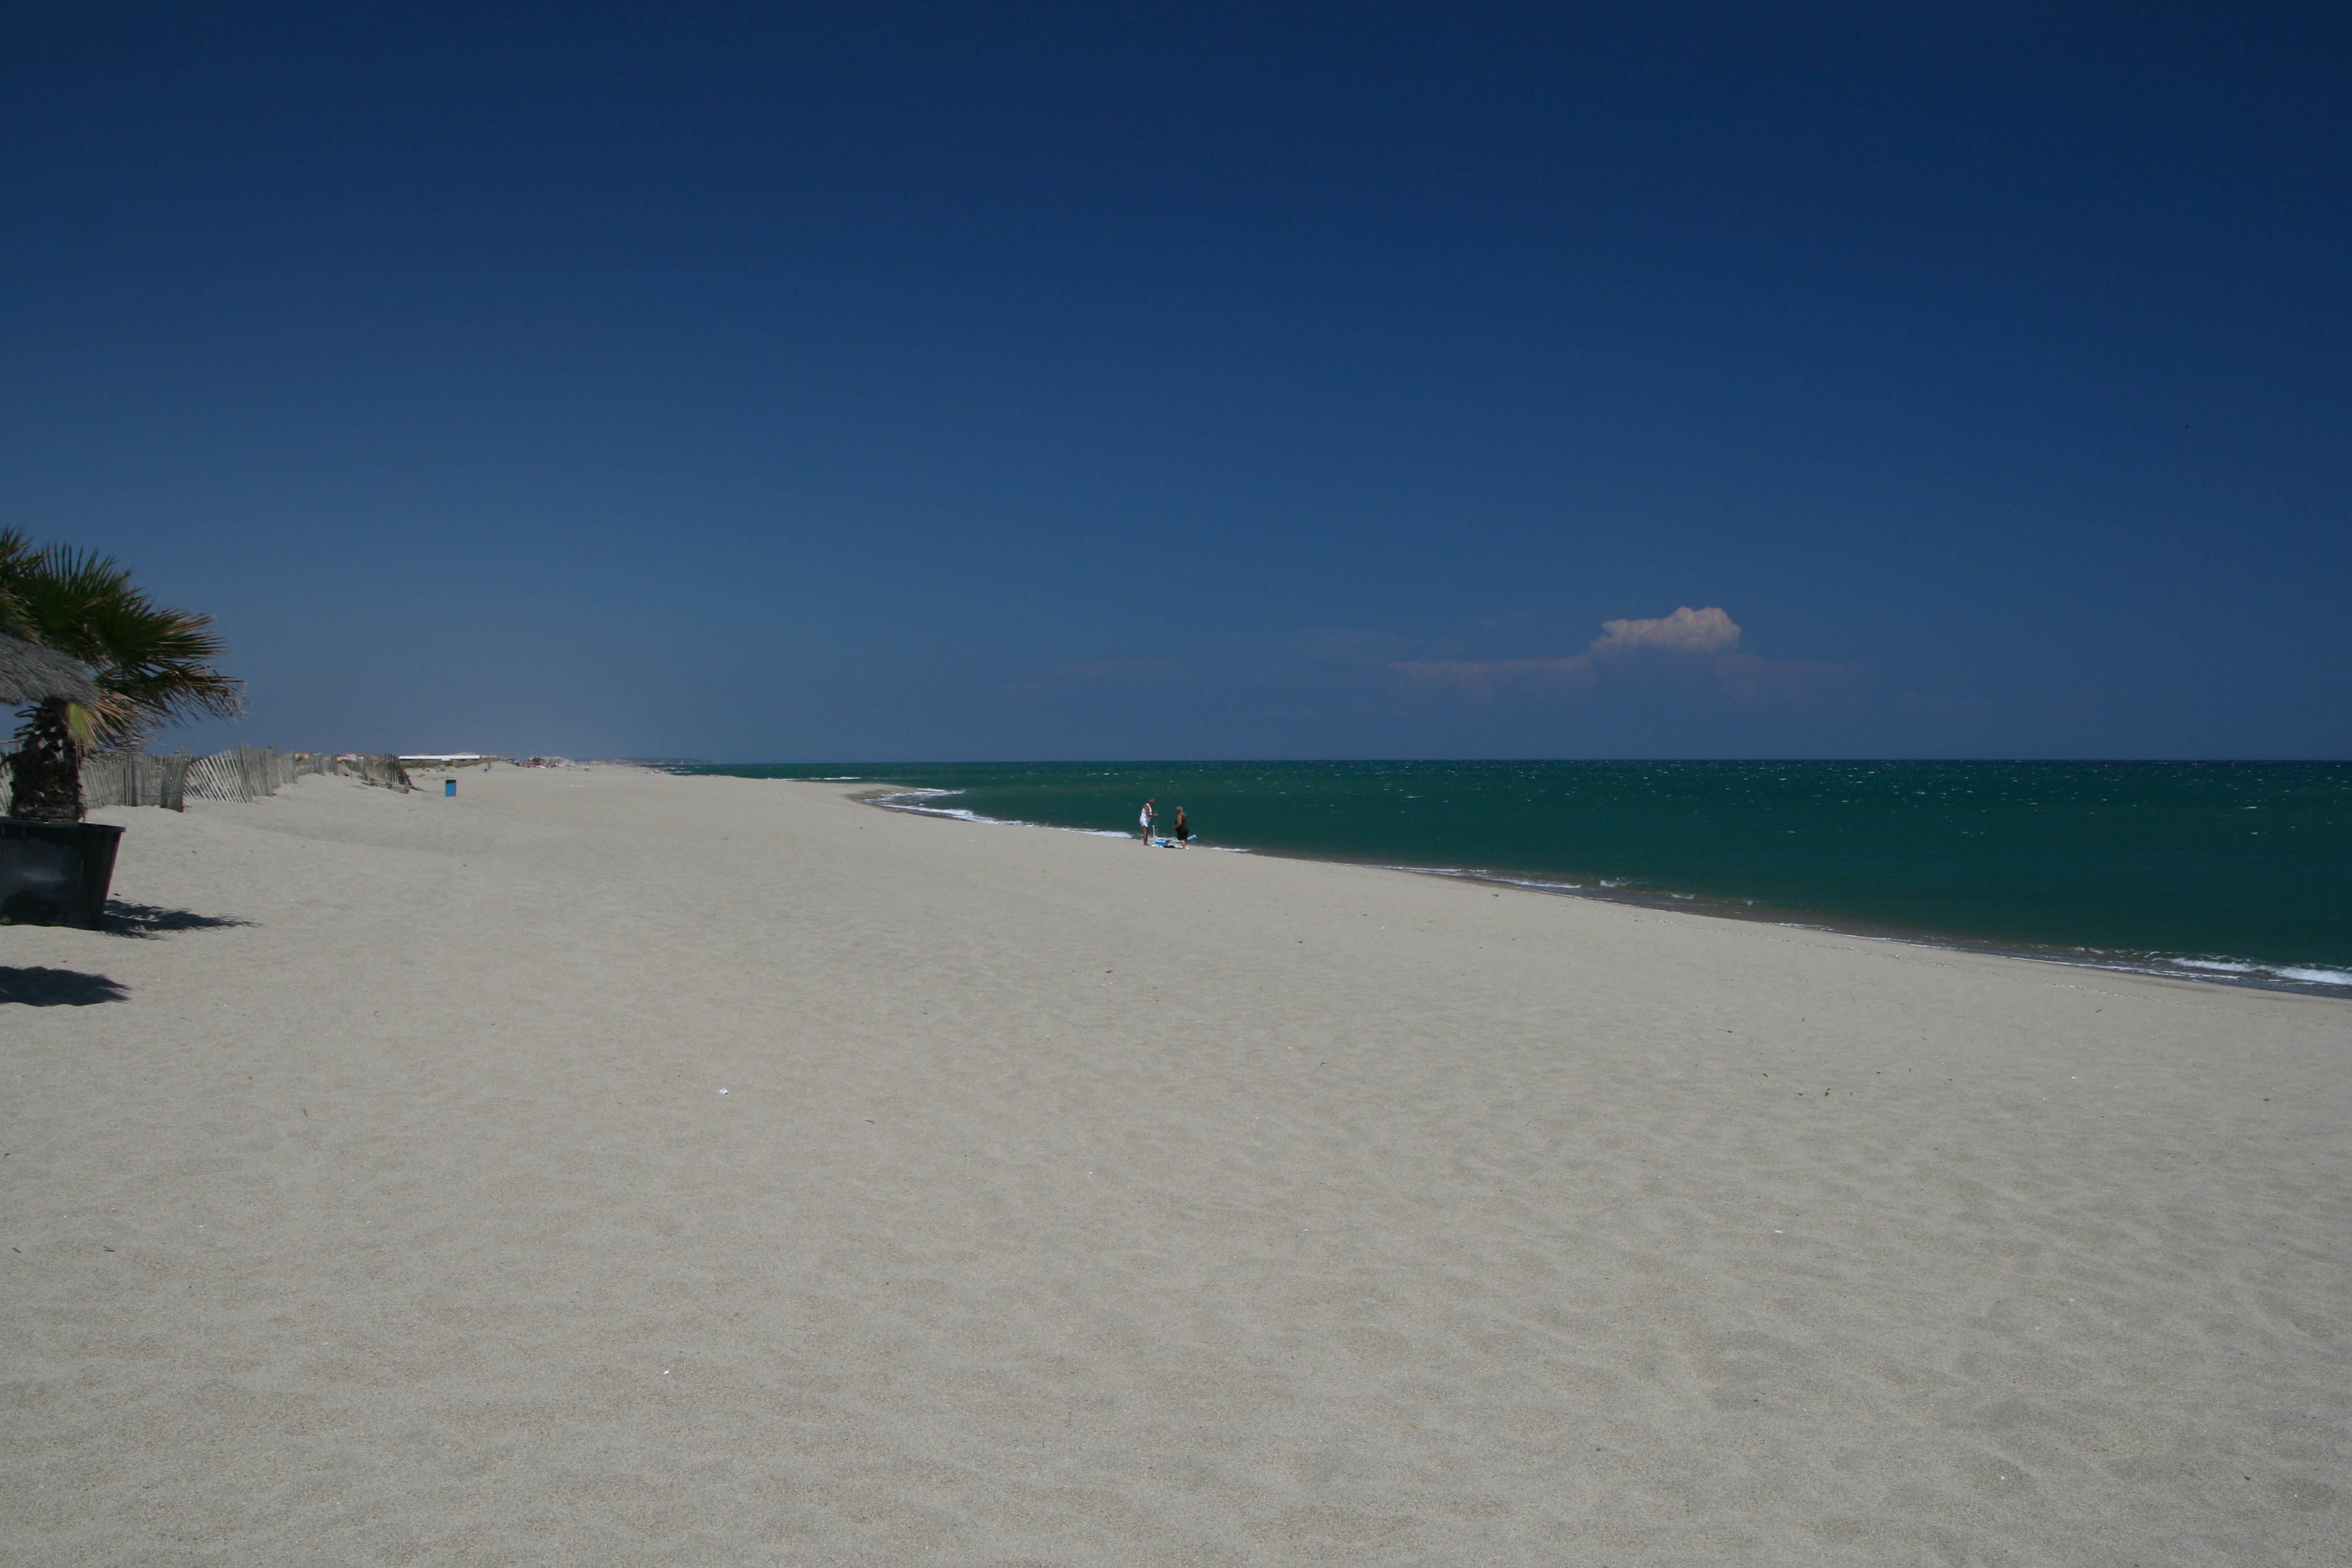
(1709, 635)
(1685, 631)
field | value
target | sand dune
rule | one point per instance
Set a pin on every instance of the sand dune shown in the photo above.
(1071, 1202)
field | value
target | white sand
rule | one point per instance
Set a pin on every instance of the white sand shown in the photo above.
(1072, 1203)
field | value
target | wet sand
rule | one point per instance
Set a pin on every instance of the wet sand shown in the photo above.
(370, 1197)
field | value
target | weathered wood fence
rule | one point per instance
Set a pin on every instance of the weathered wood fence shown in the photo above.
(248, 773)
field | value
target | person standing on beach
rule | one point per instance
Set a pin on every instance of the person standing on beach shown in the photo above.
(1145, 820)
(1182, 830)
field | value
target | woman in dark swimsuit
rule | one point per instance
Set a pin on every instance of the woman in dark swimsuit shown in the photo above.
(1183, 830)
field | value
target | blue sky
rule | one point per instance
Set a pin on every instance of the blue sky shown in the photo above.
(938, 381)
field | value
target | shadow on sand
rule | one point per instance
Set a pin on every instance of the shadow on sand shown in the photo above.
(147, 919)
(40, 987)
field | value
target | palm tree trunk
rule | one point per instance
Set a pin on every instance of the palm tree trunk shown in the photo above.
(46, 767)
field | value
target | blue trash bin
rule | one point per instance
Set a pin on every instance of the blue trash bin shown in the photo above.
(449, 787)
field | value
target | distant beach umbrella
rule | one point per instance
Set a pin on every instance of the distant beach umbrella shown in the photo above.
(30, 674)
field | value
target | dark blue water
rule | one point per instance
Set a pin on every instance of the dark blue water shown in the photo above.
(2239, 871)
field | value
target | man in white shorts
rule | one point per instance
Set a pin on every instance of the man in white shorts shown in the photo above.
(1145, 820)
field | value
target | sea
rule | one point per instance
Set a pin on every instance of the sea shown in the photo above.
(2233, 872)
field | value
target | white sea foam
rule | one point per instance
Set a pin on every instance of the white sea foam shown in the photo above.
(910, 801)
(1474, 874)
(2300, 975)
(2229, 968)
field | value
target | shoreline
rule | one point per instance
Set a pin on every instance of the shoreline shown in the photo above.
(2254, 976)
(605, 1165)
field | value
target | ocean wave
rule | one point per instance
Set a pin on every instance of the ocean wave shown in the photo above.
(2244, 969)
(910, 802)
(1474, 874)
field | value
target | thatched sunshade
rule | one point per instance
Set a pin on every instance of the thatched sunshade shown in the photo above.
(30, 674)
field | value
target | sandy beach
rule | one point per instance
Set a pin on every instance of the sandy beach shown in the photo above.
(601, 1166)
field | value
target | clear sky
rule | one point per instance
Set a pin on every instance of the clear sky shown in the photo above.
(929, 381)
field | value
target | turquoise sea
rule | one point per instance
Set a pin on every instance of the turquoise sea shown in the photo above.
(2239, 872)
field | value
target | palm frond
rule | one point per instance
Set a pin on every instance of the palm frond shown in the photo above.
(153, 664)
(16, 558)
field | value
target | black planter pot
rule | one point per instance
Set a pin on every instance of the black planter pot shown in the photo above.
(55, 873)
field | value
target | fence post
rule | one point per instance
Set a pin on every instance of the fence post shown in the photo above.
(173, 795)
(101, 781)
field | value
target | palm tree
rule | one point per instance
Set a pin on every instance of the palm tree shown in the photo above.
(152, 667)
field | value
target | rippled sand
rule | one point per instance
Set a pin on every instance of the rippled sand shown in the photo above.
(371, 1197)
